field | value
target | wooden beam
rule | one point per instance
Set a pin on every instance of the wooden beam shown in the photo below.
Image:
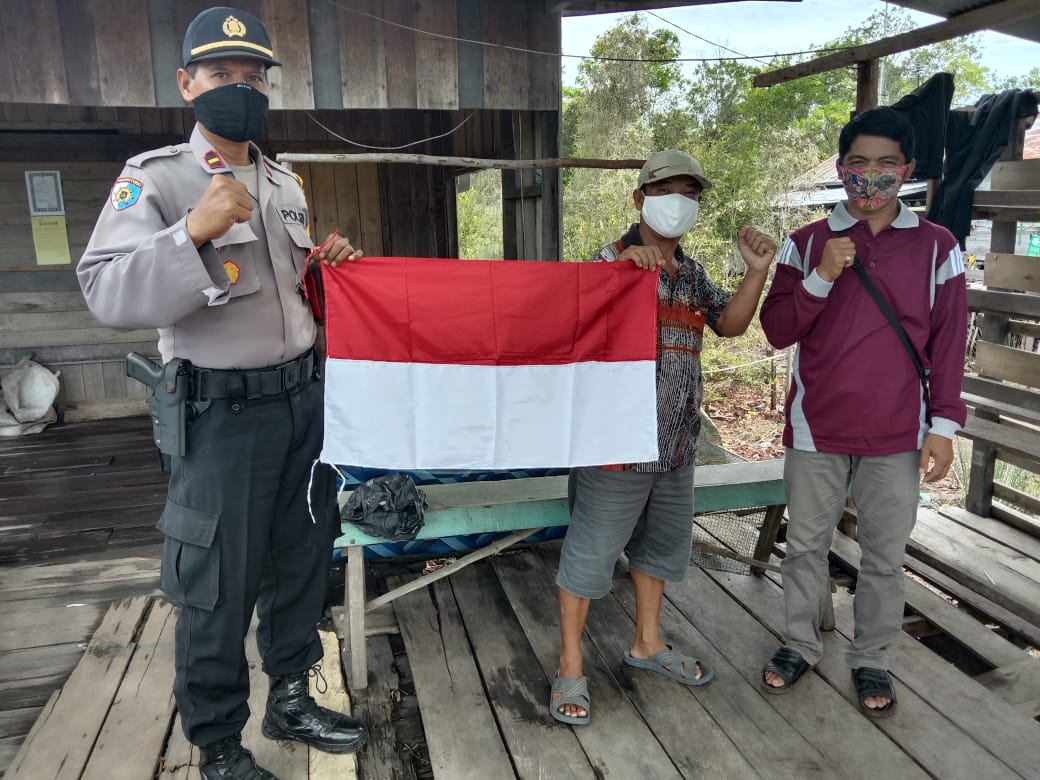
(460, 162)
(868, 73)
(986, 17)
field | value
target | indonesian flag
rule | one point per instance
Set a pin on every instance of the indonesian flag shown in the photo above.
(458, 364)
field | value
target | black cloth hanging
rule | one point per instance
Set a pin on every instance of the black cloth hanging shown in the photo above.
(926, 108)
(974, 141)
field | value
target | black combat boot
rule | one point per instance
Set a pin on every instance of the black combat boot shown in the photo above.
(293, 714)
(226, 759)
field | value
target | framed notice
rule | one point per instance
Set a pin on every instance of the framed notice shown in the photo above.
(44, 190)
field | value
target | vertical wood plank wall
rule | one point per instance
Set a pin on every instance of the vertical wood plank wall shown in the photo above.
(82, 110)
(362, 54)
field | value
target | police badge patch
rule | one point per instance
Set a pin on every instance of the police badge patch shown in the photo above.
(125, 193)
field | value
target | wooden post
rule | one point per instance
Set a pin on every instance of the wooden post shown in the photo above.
(355, 608)
(867, 74)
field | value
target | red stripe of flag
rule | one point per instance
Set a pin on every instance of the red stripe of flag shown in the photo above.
(477, 312)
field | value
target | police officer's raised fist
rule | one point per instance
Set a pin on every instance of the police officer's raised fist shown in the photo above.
(225, 202)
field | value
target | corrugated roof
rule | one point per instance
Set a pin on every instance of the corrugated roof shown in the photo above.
(1029, 29)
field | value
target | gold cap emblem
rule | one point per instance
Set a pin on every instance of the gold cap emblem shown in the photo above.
(233, 28)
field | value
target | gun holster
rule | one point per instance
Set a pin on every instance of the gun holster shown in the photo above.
(171, 405)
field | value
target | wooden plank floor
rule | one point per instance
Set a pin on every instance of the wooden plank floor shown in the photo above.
(79, 489)
(483, 646)
(114, 719)
(463, 691)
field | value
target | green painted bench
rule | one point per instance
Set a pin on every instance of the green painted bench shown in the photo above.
(524, 506)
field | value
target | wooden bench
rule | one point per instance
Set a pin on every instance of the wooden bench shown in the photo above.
(523, 506)
(1004, 395)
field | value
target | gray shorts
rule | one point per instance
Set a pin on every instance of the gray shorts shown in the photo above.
(649, 515)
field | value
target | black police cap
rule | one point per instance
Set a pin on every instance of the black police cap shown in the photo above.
(227, 32)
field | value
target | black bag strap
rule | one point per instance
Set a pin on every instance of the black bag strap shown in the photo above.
(882, 304)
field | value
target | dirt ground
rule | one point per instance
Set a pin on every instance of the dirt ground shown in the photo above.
(752, 430)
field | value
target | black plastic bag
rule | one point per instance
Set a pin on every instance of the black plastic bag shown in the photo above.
(391, 507)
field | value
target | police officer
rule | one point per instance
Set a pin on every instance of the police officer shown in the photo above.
(206, 241)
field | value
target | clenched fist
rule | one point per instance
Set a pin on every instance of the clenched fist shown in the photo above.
(838, 254)
(757, 249)
(225, 202)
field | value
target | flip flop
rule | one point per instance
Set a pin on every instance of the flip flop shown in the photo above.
(669, 663)
(569, 690)
(787, 663)
(874, 682)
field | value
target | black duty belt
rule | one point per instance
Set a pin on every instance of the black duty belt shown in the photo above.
(209, 383)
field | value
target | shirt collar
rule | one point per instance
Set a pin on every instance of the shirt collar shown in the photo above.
(210, 160)
(840, 219)
(632, 238)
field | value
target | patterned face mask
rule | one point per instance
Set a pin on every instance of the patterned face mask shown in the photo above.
(872, 188)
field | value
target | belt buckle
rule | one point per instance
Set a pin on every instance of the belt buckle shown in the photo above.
(292, 375)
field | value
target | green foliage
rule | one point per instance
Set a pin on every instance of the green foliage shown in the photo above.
(480, 217)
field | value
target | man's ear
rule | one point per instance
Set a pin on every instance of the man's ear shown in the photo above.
(910, 170)
(637, 199)
(184, 80)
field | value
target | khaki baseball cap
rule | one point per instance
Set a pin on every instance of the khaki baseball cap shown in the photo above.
(672, 162)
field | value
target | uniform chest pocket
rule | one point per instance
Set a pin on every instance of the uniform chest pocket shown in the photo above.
(237, 251)
(300, 243)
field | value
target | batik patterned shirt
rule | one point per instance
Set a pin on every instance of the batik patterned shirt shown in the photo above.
(685, 304)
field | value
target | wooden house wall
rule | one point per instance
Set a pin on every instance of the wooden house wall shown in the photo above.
(123, 53)
(386, 208)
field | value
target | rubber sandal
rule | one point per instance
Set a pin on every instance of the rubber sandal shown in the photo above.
(569, 690)
(669, 663)
(874, 682)
(787, 663)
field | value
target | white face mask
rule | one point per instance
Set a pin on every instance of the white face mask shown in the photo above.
(670, 215)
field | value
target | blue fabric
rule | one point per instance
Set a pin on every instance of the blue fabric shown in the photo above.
(448, 546)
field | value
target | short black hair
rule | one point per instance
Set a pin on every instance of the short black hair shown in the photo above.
(885, 122)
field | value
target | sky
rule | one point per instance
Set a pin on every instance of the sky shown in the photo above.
(755, 27)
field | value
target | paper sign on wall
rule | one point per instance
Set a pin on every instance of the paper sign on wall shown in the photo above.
(47, 212)
(51, 240)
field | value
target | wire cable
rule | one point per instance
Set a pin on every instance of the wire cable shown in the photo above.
(524, 50)
(386, 148)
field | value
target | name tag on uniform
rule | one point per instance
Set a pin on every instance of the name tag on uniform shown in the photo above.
(294, 216)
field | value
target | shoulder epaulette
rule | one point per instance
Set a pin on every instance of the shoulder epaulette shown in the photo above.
(280, 168)
(139, 160)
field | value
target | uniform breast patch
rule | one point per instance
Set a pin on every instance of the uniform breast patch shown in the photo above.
(125, 193)
(232, 270)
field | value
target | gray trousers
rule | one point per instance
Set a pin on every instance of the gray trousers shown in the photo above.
(886, 491)
(649, 515)
(238, 534)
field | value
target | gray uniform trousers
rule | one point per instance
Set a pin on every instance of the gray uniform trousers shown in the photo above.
(238, 534)
(886, 491)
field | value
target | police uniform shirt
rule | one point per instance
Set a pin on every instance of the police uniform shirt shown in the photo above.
(236, 301)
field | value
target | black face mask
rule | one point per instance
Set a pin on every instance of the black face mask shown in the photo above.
(234, 111)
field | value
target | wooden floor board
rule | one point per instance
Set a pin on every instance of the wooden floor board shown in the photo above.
(69, 729)
(139, 719)
(384, 756)
(620, 743)
(281, 758)
(518, 690)
(951, 696)
(460, 728)
(1010, 579)
(331, 694)
(817, 712)
(1018, 684)
(954, 622)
